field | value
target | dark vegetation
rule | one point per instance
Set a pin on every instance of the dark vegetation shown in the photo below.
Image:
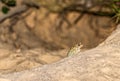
(113, 4)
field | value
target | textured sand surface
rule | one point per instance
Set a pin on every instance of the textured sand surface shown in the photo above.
(99, 64)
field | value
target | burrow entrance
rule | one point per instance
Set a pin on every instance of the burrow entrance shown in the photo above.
(36, 37)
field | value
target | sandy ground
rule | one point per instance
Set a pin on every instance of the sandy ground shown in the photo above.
(37, 37)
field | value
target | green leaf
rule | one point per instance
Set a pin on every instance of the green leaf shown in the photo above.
(5, 9)
(11, 3)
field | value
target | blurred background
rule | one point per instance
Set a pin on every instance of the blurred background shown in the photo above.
(53, 26)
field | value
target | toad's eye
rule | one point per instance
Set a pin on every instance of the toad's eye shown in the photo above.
(79, 44)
